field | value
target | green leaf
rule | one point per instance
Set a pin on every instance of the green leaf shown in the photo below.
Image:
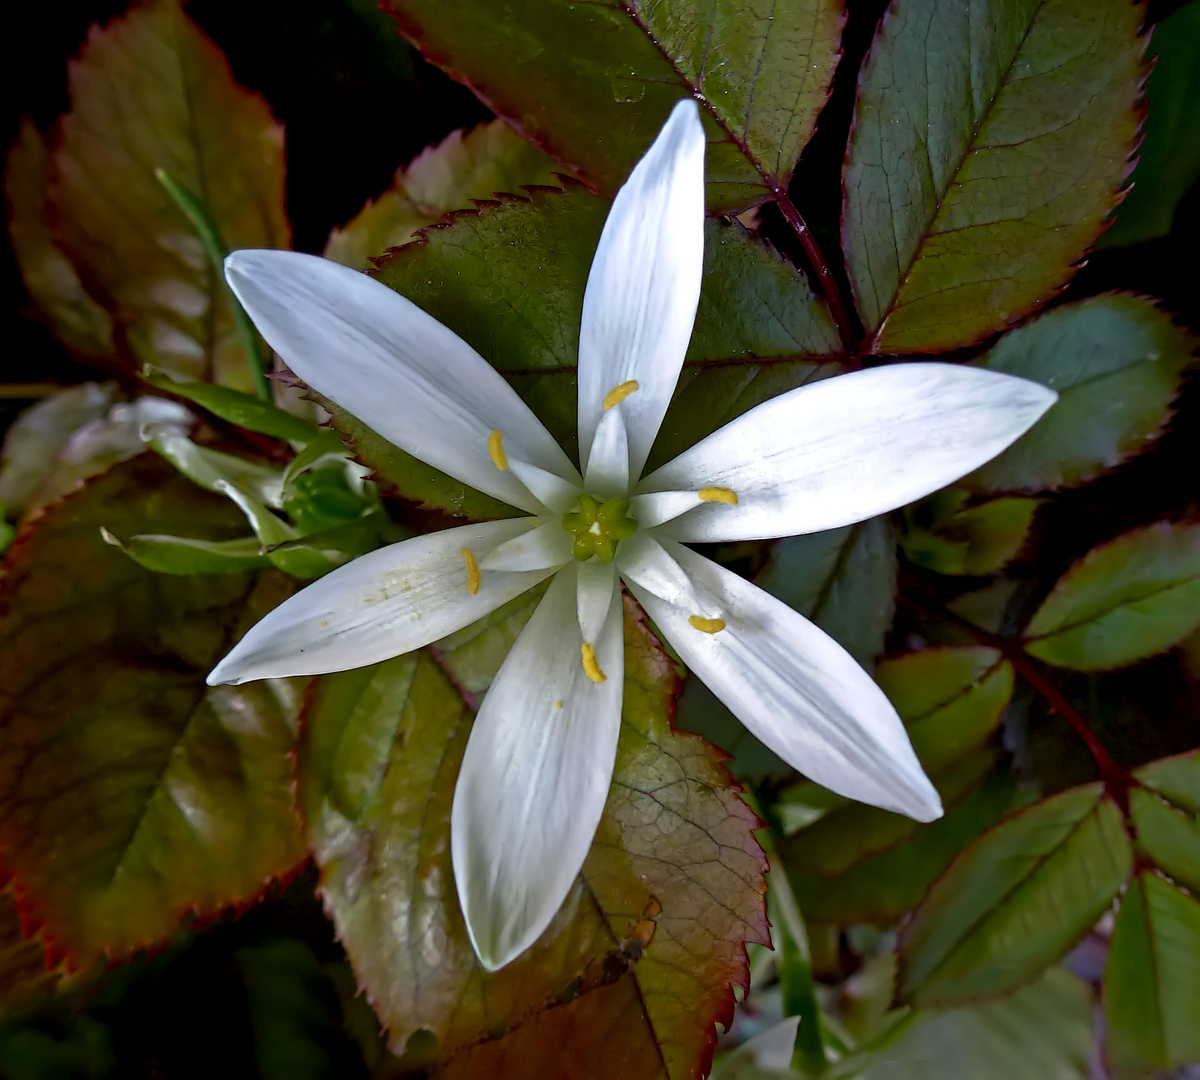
(151, 91)
(1166, 816)
(1169, 157)
(1152, 984)
(26, 979)
(132, 796)
(509, 279)
(987, 151)
(244, 410)
(60, 298)
(1016, 900)
(1124, 601)
(1117, 363)
(464, 166)
(598, 80)
(1175, 778)
(944, 537)
(187, 555)
(638, 964)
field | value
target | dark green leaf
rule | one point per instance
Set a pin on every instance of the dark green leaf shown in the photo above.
(1016, 899)
(1177, 779)
(1169, 157)
(598, 80)
(1166, 816)
(1117, 361)
(1152, 985)
(131, 795)
(637, 966)
(987, 150)
(944, 537)
(25, 976)
(244, 410)
(151, 91)
(1124, 601)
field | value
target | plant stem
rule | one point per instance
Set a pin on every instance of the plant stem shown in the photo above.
(216, 250)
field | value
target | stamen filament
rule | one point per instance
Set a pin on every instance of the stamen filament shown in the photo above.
(718, 494)
(706, 626)
(496, 449)
(472, 571)
(619, 393)
(590, 668)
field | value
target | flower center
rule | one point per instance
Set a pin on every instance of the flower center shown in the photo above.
(598, 527)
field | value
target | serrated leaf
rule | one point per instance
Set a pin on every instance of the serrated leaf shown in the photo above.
(1152, 983)
(1169, 156)
(1177, 779)
(637, 965)
(25, 976)
(131, 795)
(1016, 900)
(988, 147)
(59, 297)
(598, 80)
(1124, 601)
(151, 91)
(1117, 362)
(1168, 838)
(976, 540)
(510, 278)
(464, 166)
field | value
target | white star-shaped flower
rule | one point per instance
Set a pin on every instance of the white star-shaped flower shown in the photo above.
(540, 757)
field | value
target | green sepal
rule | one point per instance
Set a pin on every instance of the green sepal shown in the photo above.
(316, 554)
(188, 555)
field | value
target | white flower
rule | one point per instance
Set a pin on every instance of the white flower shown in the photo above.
(539, 761)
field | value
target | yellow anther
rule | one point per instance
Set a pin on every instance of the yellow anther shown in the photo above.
(619, 393)
(590, 668)
(472, 570)
(706, 626)
(496, 449)
(716, 494)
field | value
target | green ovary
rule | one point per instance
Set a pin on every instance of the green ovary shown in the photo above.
(599, 527)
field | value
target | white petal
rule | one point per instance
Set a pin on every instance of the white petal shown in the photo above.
(642, 561)
(607, 471)
(658, 506)
(846, 449)
(545, 548)
(594, 596)
(394, 367)
(534, 778)
(644, 285)
(797, 690)
(381, 604)
(550, 489)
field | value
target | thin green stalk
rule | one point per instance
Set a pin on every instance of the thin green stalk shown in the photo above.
(215, 249)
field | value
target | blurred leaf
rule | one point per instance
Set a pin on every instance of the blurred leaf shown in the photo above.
(944, 537)
(1117, 361)
(60, 299)
(1170, 152)
(509, 279)
(985, 155)
(1124, 601)
(131, 795)
(464, 166)
(637, 965)
(151, 91)
(25, 977)
(1016, 900)
(598, 80)
(1152, 985)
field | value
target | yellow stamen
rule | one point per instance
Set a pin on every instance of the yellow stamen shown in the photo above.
(590, 668)
(716, 494)
(472, 570)
(619, 393)
(706, 626)
(496, 449)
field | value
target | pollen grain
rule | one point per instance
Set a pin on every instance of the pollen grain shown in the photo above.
(590, 668)
(619, 393)
(472, 570)
(706, 626)
(496, 449)
(718, 494)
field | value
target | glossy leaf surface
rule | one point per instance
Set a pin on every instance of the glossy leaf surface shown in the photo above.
(598, 80)
(1016, 899)
(131, 795)
(1117, 363)
(151, 91)
(1124, 601)
(988, 147)
(638, 963)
